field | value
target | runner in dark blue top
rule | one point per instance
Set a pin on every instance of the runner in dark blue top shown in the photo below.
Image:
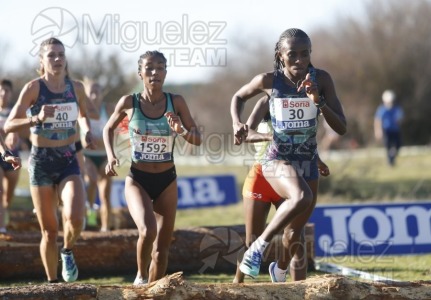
(298, 93)
(8, 176)
(50, 106)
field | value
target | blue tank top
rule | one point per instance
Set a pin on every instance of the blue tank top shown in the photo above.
(151, 139)
(294, 119)
(63, 124)
(390, 117)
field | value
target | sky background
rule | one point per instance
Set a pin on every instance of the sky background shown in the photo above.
(197, 36)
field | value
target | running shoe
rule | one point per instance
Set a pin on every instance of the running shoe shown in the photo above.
(276, 276)
(250, 264)
(140, 281)
(70, 270)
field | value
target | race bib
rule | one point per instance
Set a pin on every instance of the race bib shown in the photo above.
(152, 148)
(294, 113)
(65, 117)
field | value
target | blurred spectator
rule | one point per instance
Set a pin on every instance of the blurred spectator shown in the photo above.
(98, 183)
(387, 125)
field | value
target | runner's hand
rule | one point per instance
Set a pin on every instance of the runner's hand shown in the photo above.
(240, 132)
(109, 169)
(14, 161)
(311, 88)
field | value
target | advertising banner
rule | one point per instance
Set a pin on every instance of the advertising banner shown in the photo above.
(193, 192)
(372, 229)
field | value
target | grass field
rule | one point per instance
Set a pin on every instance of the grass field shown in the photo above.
(356, 177)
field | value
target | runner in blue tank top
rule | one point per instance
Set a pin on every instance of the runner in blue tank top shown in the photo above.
(298, 93)
(9, 177)
(259, 196)
(155, 119)
(50, 106)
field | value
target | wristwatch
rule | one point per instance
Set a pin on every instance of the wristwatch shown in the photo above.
(185, 131)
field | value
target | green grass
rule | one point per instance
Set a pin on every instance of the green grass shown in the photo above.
(402, 268)
(356, 177)
(365, 176)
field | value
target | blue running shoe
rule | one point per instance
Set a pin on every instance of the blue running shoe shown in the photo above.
(70, 270)
(250, 264)
(280, 276)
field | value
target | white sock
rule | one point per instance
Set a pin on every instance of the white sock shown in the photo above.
(277, 269)
(259, 245)
(279, 274)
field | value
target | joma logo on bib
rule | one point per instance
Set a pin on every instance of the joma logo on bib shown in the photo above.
(294, 124)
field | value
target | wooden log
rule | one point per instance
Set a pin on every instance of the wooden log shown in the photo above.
(23, 220)
(26, 220)
(195, 250)
(217, 249)
(317, 287)
(96, 253)
(174, 287)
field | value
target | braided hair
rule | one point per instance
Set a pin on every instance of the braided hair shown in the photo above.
(287, 34)
(150, 54)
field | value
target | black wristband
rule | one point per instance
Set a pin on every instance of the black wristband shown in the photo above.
(321, 103)
(6, 153)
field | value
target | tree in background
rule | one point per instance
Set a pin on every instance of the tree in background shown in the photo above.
(388, 49)
(385, 47)
(106, 69)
